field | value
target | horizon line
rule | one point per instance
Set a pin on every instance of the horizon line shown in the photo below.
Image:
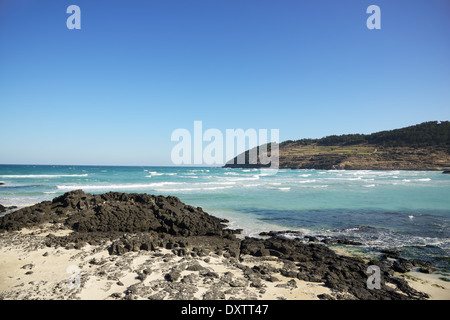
(106, 165)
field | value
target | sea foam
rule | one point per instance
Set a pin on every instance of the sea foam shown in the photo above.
(115, 186)
(15, 176)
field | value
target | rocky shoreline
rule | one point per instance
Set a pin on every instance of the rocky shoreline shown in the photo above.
(139, 246)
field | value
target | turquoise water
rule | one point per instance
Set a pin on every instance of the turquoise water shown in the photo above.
(407, 210)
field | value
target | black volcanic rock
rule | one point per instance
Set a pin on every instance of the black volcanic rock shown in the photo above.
(317, 263)
(390, 253)
(117, 212)
(4, 209)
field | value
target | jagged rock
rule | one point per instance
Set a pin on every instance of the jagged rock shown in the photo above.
(317, 263)
(196, 267)
(341, 241)
(172, 276)
(147, 271)
(291, 284)
(117, 212)
(141, 276)
(426, 270)
(325, 296)
(391, 253)
(4, 209)
(116, 295)
(214, 294)
(402, 265)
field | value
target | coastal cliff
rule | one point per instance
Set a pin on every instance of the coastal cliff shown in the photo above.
(425, 146)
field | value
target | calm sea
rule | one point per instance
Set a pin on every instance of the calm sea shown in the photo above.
(405, 210)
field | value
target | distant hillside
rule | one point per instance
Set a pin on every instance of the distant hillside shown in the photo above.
(425, 146)
(426, 134)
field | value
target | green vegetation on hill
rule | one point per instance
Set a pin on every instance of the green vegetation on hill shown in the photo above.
(432, 133)
(425, 146)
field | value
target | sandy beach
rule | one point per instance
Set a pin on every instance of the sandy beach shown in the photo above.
(31, 270)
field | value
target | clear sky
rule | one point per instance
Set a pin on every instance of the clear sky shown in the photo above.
(114, 91)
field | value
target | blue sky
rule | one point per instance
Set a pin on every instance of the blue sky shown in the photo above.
(113, 92)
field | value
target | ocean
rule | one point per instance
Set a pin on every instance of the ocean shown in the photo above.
(404, 210)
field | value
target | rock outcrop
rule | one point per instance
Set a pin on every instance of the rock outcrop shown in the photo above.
(117, 212)
(5, 209)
